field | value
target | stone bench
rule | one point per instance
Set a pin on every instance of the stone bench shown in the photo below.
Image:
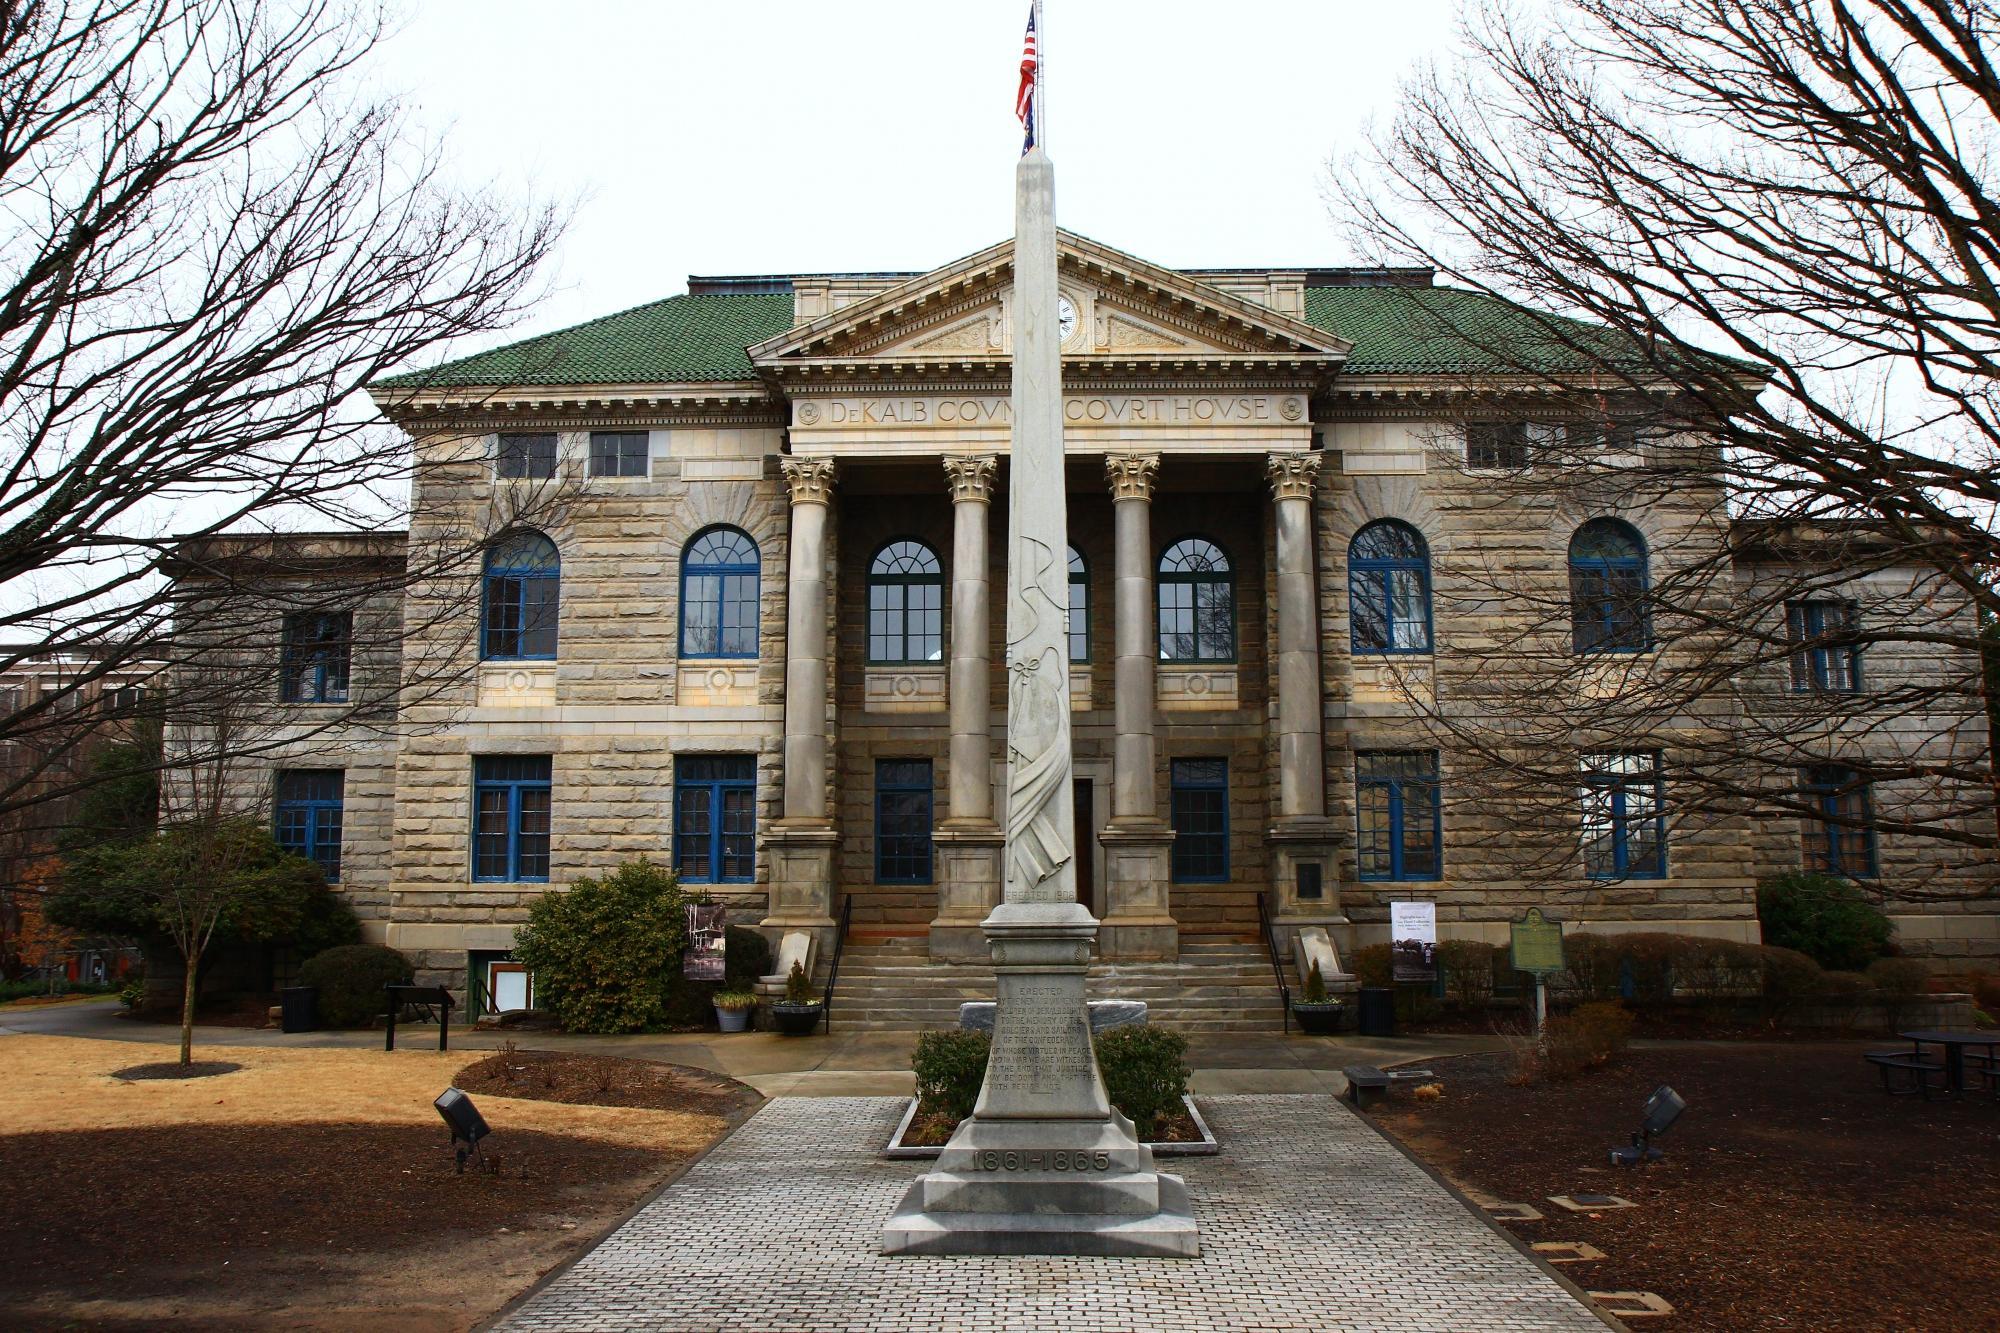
(977, 1015)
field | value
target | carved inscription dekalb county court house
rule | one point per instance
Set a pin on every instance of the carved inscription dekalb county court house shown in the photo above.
(739, 613)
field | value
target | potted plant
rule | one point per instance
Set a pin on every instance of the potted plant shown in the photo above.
(1318, 1013)
(798, 1013)
(732, 1009)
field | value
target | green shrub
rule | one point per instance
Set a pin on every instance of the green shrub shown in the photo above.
(1145, 1073)
(1468, 973)
(1590, 1035)
(1371, 965)
(1706, 968)
(1791, 981)
(350, 978)
(746, 958)
(1590, 967)
(605, 951)
(734, 1000)
(1900, 982)
(1829, 920)
(133, 993)
(950, 1066)
(798, 986)
(1315, 985)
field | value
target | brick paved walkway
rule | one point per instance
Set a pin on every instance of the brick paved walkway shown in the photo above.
(1308, 1220)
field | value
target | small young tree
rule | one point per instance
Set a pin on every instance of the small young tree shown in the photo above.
(194, 882)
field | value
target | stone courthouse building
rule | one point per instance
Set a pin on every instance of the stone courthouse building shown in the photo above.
(742, 608)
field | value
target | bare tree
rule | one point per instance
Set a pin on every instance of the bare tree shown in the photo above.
(210, 241)
(1754, 245)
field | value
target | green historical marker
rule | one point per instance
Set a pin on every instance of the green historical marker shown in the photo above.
(1536, 945)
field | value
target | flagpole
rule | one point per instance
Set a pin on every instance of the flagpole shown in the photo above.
(1041, 79)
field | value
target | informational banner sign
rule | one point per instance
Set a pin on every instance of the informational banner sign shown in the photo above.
(1413, 941)
(706, 936)
(1536, 944)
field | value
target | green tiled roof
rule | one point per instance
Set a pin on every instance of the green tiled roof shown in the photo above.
(1395, 330)
(1445, 330)
(680, 339)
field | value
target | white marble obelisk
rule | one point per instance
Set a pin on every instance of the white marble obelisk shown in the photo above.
(1044, 1165)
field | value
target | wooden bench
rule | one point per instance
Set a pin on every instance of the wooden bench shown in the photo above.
(1917, 1070)
(1366, 1084)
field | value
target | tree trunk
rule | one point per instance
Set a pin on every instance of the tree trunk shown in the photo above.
(187, 1015)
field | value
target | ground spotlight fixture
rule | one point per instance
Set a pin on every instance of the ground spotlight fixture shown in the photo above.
(468, 1127)
(1662, 1109)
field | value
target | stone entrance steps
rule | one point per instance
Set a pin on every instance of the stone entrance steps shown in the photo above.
(1219, 985)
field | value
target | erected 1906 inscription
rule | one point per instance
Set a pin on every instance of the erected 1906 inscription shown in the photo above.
(1048, 1046)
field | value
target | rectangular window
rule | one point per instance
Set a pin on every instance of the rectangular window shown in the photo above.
(309, 815)
(903, 821)
(510, 817)
(715, 818)
(905, 622)
(1397, 818)
(1496, 445)
(527, 456)
(1841, 841)
(317, 645)
(1077, 623)
(615, 453)
(1624, 818)
(1824, 656)
(1200, 816)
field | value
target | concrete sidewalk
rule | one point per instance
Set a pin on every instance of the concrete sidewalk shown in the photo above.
(839, 1064)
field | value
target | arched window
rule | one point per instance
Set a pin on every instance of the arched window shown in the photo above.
(905, 604)
(719, 595)
(1389, 589)
(1079, 608)
(1607, 587)
(522, 578)
(1197, 597)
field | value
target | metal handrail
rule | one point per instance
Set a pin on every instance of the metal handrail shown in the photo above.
(833, 969)
(1277, 967)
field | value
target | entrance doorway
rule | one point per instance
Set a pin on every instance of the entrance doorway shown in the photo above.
(1082, 804)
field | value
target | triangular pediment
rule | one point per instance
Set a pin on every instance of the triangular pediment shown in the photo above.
(1125, 310)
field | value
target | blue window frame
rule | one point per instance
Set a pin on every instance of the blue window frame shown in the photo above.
(1825, 658)
(529, 456)
(317, 647)
(1199, 812)
(1389, 589)
(1397, 820)
(1078, 624)
(619, 453)
(903, 821)
(522, 590)
(1607, 588)
(719, 606)
(512, 797)
(1624, 816)
(1196, 591)
(905, 604)
(715, 818)
(1841, 839)
(310, 812)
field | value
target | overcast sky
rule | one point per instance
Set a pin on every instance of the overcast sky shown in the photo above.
(776, 136)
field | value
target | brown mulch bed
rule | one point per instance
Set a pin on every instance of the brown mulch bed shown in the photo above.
(175, 1069)
(604, 1080)
(246, 1216)
(933, 1129)
(1794, 1194)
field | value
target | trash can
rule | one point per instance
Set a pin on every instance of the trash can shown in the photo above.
(1376, 1012)
(300, 1008)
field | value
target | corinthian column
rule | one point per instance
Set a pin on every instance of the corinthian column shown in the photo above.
(967, 839)
(1302, 837)
(799, 847)
(1138, 917)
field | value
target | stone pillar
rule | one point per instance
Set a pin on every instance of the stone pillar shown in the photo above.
(799, 848)
(1138, 919)
(1303, 839)
(968, 840)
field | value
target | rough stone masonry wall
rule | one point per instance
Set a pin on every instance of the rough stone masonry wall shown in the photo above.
(1499, 550)
(617, 719)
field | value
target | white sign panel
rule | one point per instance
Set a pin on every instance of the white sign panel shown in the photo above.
(1413, 938)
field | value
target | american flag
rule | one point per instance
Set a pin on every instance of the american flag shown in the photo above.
(1024, 100)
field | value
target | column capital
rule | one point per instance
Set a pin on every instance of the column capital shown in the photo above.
(1131, 475)
(971, 477)
(811, 479)
(1292, 476)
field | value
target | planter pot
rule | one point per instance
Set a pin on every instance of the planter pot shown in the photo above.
(732, 1020)
(796, 1020)
(1320, 1020)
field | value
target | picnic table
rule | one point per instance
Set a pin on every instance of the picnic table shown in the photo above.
(1954, 1041)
